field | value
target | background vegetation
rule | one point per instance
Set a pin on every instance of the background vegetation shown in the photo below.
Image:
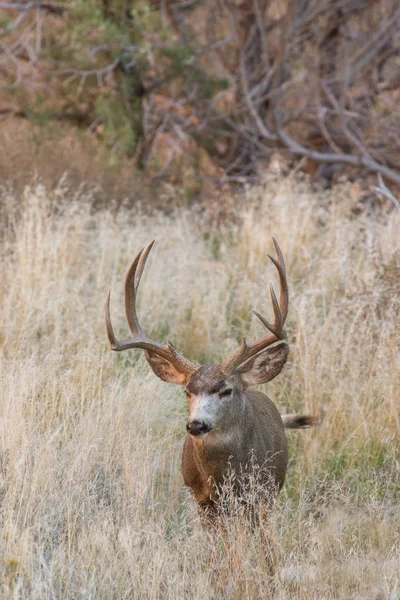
(92, 500)
(206, 95)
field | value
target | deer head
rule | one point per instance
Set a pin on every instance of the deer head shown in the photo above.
(215, 393)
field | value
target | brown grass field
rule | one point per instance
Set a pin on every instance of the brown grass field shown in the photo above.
(92, 499)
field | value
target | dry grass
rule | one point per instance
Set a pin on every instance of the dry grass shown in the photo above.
(92, 501)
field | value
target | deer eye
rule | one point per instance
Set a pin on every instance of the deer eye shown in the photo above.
(187, 393)
(225, 393)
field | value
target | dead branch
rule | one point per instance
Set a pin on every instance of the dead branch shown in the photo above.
(383, 190)
(262, 128)
(365, 160)
(368, 52)
(83, 75)
(25, 9)
(51, 7)
(356, 151)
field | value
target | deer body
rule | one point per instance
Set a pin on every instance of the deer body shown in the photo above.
(258, 437)
(230, 428)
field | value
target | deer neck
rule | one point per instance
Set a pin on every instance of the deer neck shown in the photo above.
(227, 445)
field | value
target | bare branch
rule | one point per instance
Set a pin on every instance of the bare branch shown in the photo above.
(51, 7)
(341, 113)
(83, 75)
(326, 157)
(383, 190)
(366, 54)
(321, 117)
(38, 41)
(9, 55)
(263, 130)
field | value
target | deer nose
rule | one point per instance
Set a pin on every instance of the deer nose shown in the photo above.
(198, 427)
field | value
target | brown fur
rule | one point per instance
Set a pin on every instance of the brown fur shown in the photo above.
(245, 432)
(256, 436)
(206, 380)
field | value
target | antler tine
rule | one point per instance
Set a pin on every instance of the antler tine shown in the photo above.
(140, 339)
(110, 331)
(132, 282)
(280, 308)
(284, 292)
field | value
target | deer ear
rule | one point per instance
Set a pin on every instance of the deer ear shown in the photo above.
(264, 366)
(164, 369)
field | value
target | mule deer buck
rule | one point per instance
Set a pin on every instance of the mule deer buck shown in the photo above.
(229, 427)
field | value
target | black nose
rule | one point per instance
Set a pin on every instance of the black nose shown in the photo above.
(197, 427)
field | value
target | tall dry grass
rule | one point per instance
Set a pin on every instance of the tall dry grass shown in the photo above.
(92, 501)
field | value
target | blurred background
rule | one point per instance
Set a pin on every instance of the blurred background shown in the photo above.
(147, 99)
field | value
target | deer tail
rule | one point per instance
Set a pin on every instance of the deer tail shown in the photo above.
(298, 421)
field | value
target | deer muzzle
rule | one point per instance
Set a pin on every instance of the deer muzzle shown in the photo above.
(198, 427)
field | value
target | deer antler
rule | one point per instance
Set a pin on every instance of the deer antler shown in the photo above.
(247, 351)
(140, 339)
